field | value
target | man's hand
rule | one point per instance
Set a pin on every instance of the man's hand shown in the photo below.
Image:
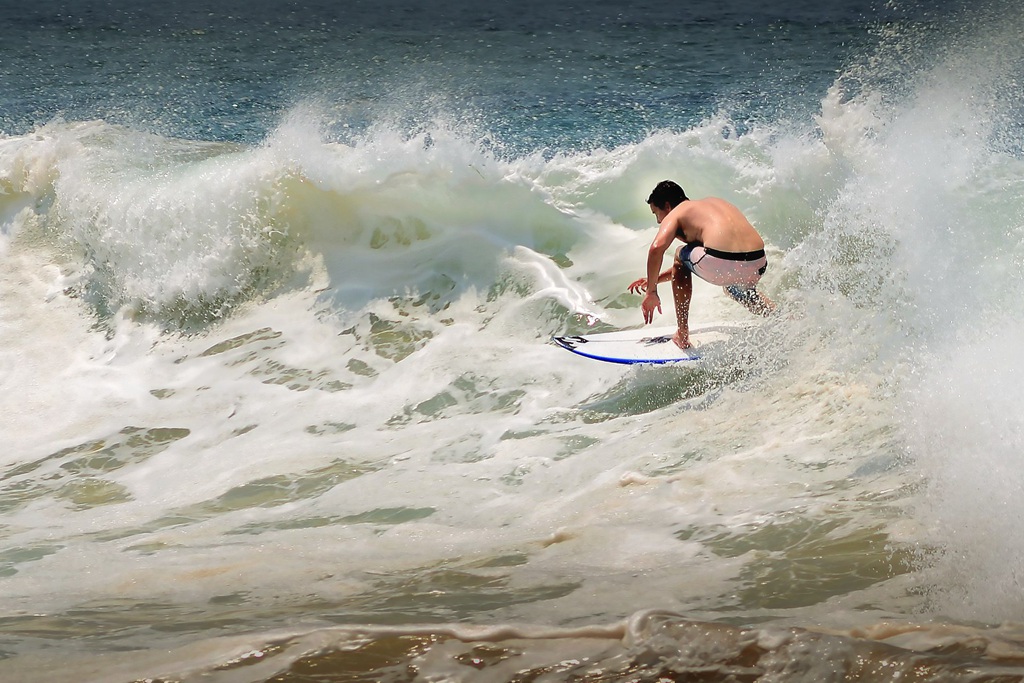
(651, 303)
(638, 287)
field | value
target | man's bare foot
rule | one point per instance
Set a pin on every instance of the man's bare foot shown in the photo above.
(682, 340)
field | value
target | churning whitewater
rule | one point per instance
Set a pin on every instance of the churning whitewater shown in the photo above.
(279, 399)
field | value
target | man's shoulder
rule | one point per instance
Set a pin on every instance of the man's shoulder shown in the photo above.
(693, 206)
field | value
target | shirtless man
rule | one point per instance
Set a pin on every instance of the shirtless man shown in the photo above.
(719, 246)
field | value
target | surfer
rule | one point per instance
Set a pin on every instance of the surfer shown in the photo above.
(719, 246)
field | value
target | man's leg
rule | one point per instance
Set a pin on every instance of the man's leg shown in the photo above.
(682, 292)
(754, 301)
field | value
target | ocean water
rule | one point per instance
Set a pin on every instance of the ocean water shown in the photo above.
(278, 404)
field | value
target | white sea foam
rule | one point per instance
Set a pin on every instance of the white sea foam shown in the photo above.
(331, 354)
(416, 355)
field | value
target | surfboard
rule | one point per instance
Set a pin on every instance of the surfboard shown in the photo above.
(645, 345)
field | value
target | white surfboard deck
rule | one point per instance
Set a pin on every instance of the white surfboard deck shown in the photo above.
(646, 345)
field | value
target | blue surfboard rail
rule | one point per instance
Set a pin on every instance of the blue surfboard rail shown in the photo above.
(588, 348)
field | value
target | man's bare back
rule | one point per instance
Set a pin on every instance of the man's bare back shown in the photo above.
(714, 223)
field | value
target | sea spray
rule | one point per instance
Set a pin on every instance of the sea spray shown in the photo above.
(925, 233)
(367, 439)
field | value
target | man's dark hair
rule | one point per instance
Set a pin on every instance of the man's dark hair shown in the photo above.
(667, 192)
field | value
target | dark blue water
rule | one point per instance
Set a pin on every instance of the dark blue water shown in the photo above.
(528, 75)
